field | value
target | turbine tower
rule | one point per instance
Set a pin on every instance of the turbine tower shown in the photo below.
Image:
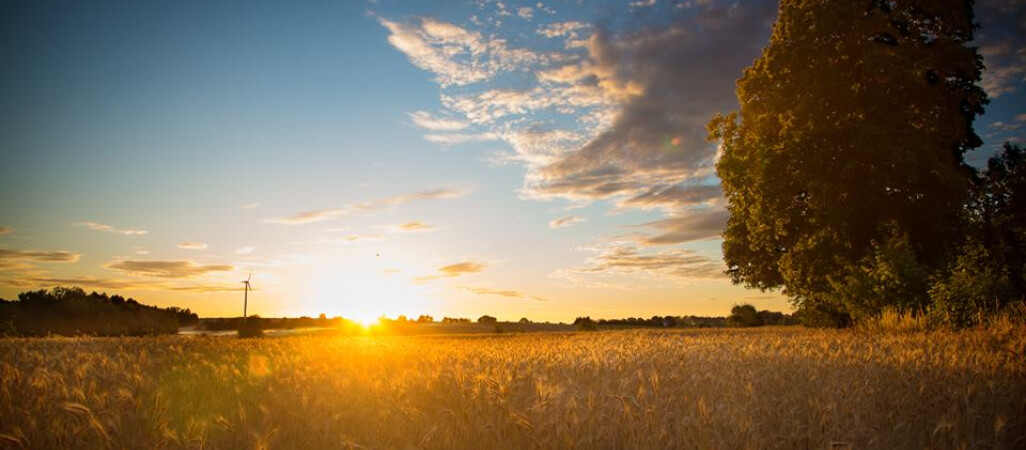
(245, 298)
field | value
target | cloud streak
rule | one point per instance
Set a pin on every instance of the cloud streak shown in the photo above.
(621, 258)
(110, 229)
(192, 246)
(9, 255)
(319, 215)
(453, 270)
(166, 269)
(567, 221)
(508, 293)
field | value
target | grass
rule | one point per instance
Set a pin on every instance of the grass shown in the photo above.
(757, 388)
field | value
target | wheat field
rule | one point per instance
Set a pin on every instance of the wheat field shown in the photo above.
(709, 389)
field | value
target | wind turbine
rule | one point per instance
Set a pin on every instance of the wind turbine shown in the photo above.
(245, 298)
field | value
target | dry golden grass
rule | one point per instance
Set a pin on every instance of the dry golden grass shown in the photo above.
(767, 388)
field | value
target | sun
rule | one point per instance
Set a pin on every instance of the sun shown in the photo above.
(364, 294)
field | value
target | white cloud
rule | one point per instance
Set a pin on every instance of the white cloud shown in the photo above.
(192, 245)
(426, 121)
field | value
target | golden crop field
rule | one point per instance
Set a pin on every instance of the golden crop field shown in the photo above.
(765, 388)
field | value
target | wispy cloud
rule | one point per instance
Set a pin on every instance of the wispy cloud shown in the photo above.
(460, 138)
(249, 205)
(567, 221)
(113, 284)
(623, 258)
(5, 230)
(110, 229)
(1002, 43)
(319, 215)
(454, 270)
(192, 245)
(351, 239)
(20, 259)
(316, 215)
(509, 293)
(166, 269)
(426, 121)
(431, 194)
(456, 55)
(411, 227)
(687, 226)
(244, 250)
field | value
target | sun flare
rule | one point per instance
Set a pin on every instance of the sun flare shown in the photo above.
(365, 294)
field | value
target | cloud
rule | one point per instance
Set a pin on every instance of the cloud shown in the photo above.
(1002, 42)
(9, 256)
(5, 230)
(562, 29)
(642, 4)
(166, 269)
(319, 215)
(110, 229)
(431, 194)
(411, 227)
(249, 205)
(501, 292)
(670, 81)
(621, 258)
(305, 217)
(567, 221)
(426, 121)
(193, 246)
(113, 284)
(244, 250)
(454, 270)
(460, 138)
(526, 12)
(691, 225)
(455, 55)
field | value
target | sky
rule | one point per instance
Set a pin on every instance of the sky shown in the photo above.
(537, 159)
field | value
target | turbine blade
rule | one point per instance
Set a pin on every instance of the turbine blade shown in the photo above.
(250, 277)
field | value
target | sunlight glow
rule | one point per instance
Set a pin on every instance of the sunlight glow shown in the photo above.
(364, 294)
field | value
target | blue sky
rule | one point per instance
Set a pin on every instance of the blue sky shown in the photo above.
(540, 159)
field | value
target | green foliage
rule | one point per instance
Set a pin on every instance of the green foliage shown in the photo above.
(889, 277)
(744, 316)
(843, 169)
(974, 285)
(815, 314)
(70, 311)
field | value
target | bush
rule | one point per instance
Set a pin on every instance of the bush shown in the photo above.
(974, 286)
(251, 327)
(744, 316)
(822, 315)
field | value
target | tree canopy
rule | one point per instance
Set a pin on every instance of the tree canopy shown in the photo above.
(844, 167)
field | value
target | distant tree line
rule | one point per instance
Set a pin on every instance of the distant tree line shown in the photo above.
(273, 323)
(71, 311)
(741, 316)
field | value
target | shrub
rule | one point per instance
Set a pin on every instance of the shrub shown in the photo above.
(251, 327)
(744, 316)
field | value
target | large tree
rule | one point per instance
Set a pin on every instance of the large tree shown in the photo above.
(844, 166)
